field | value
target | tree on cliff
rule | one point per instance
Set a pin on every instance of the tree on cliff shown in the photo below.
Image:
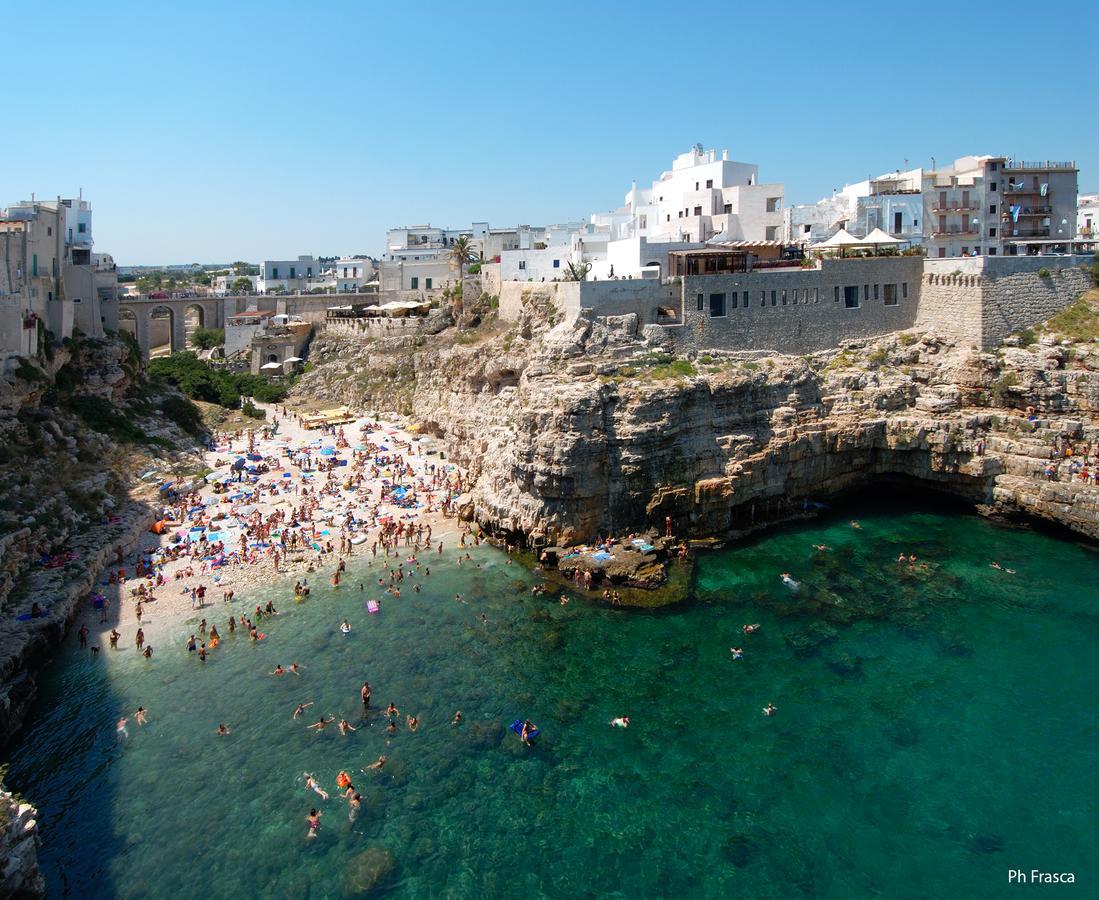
(461, 254)
(241, 286)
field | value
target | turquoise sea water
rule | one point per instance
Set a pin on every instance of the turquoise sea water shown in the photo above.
(934, 729)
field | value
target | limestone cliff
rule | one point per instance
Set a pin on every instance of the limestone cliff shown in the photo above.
(577, 428)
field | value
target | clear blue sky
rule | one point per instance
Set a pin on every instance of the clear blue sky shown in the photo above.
(207, 132)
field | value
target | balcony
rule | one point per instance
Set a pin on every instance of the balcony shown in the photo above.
(1026, 233)
(1019, 165)
(954, 206)
(1035, 210)
(955, 230)
(1023, 189)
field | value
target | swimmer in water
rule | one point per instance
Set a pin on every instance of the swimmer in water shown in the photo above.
(457, 720)
(391, 728)
(564, 601)
(621, 722)
(345, 627)
(737, 652)
(346, 726)
(314, 820)
(748, 629)
(821, 547)
(301, 707)
(788, 580)
(528, 729)
(321, 723)
(278, 670)
(392, 710)
(141, 715)
(377, 764)
(769, 709)
(120, 728)
(354, 802)
(855, 524)
(295, 669)
(311, 784)
(223, 729)
(413, 723)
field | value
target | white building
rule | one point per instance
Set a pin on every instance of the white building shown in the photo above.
(288, 274)
(50, 274)
(417, 257)
(1087, 217)
(352, 273)
(223, 284)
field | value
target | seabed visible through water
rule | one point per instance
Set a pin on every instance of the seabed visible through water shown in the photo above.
(934, 728)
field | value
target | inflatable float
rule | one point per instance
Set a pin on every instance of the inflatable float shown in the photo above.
(517, 727)
(373, 606)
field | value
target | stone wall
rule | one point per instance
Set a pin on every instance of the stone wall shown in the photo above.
(980, 301)
(799, 310)
(1019, 301)
(361, 326)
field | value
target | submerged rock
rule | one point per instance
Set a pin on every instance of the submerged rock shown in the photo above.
(373, 870)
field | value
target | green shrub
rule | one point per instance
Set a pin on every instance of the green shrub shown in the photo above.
(252, 411)
(207, 338)
(1027, 337)
(28, 372)
(184, 413)
(1043, 272)
(103, 416)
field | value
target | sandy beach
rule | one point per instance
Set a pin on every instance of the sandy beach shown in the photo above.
(292, 503)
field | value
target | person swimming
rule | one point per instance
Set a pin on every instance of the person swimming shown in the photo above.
(789, 581)
(278, 670)
(346, 726)
(392, 710)
(457, 720)
(413, 723)
(311, 784)
(527, 732)
(345, 627)
(770, 709)
(321, 723)
(737, 652)
(377, 764)
(749, 629)
(141, 715)
(314, 820)
(620, 722)
(223, 729)
(300, 708)
(120, 728)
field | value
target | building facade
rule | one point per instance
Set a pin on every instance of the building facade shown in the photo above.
(288, 274)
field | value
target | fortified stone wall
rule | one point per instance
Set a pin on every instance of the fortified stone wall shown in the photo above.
(951, 304)
(1019, 301)
(361, 326)
(799, 311)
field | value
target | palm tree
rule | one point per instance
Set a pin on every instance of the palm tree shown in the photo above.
(461, 254)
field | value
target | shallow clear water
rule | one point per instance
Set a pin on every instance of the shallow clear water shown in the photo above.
(933, 729)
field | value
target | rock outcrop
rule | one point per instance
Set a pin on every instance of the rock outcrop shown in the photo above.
(576, 428)
(19, 875)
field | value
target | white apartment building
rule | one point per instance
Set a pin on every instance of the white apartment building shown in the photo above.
(223, 284)
(417, 257)
(892, 202)
(1087, 217)
(50, 274)
(352, 273)
(288, 274)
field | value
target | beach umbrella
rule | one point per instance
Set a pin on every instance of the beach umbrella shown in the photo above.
(328, 451)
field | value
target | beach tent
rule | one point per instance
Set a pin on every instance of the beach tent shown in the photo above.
(294, 359)
(271, 365)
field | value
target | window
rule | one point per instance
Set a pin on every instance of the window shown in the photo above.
(82, 227)
(816, 295)
(709, 182)
(698, 210)
(771, 233)
(784, 298)
(965, 251)
(805, 229)
(992, 232)
(701, 302)
(34, 266)
(991, 251)
(557, 264)
(745, 299)
(774, 298)
(992, 209)
(522, 264)
(727, 208)
(643, 221)
(293, 272)
(898, 222)
(904, 290)
(836, 293)
(717, 305)
(774, 204)
(992, 187)
(679, 214)
(696, 185)
(309, 272)
(866, 293)
(49, 231)
(416, 281)
(76, 299)
(875, 293)
(668, 217)
(427, 283)
(890, 295)
(794, 296)
(942, 253)
(762, 298)
(851, 296)
(275, 272)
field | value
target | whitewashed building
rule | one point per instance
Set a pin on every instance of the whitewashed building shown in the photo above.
(1087, 217)
(288, 274)
(351, 274)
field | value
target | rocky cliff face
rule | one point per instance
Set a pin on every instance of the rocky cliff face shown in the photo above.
(577, 428)
(77, 426)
